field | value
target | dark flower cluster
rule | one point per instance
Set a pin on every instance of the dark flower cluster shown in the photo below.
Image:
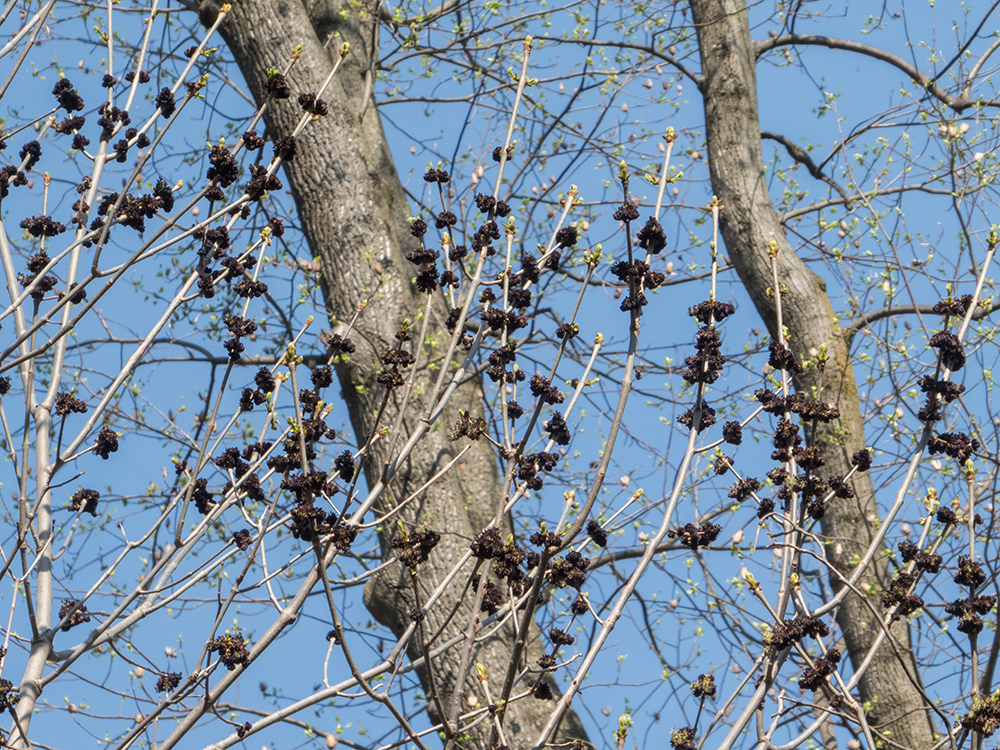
(506, 564)
(312, 105)
(969, 573)
(201, 496)
(30, 154)
(466, 426)
(43, 285)
(337, 344)
(822, 668)
(232, 649)
(501, 320)
(561, 637)
(732, 433)
(342, 536)
(487, 544)
(957, 445)
(711, 309)
(786, 440)
(143, 76)
(492, 596)
(71, 125)
(567, 331)
(771, 401)
(899, 594)
(946, 516)
(840, 487)
(946, 389)
(252, 141)
(445, 220)
(765, 508)
(529, 268)
(308, 521)
(949, 350)
(165, 102)
(42, 226)
(540, 539)
(683, 739)
(415, 547)
(721, 465)
(277, 86)
(107, 443)
(984, 715)
(238, 327)
(10, 175)
(250, 289)
(109, 117)
(344, 464)
(540, 689)
(168, 682)
(557, 429)
(923, 561)
(706, 365)
(781, 358)
(250, 397)
(693, 537)
(85, 500)
(79, 617)
(703, 687)
(566, 237)
(810, 409)
(67, 97)
(307, 487)
(707, 417)
(651, 237)
(633, 302)
(625, 271)
(743, 489)
(242, 538)
(568, 571)
(8, 695)
(970, 612)
(223, 166)
(862, 460)
(955, 307)
(793, 631)
(67, 403)
(261, 182)
(437, 175)
(596, 532)
(542, 389)
(393, 359)
(484, 236)
(530, 463)
(626, 212)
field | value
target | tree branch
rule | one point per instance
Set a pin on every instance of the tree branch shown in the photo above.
(799, 154)
(886, 312)
(957, 103)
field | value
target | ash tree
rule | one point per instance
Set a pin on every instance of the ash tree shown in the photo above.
(497, 376)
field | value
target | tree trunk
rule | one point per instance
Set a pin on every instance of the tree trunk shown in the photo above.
(353, 212)
(749, 223)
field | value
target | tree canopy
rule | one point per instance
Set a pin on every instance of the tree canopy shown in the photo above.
(498, 374)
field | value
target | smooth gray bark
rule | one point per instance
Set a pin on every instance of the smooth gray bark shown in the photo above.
(353, 212)
(748, 224)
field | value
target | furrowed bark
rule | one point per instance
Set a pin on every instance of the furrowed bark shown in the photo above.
(749, 223)
(353, 212)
